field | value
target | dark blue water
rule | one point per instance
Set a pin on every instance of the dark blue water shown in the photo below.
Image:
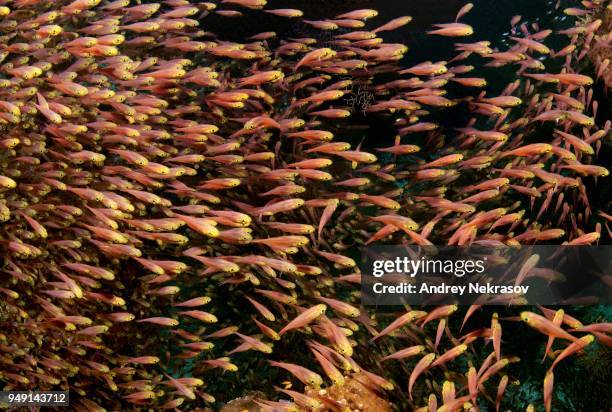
(490, 19)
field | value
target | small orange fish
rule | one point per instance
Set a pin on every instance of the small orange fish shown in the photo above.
(393, 24)
(572, 348)
(381, 201)
(420, 367)
(449, 355)
(306, 376)
(161, 321)
(405, 353)
(399, 322)
(285, 12)
(261, 78)
(332, 113)
(545, 326)
(304, 318)
(328, 367)
(361, 14)
(452, 30)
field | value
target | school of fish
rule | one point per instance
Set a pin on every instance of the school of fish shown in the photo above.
(170, 200)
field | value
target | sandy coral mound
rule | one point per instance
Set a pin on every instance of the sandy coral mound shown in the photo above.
(243, 404)
(354, 395)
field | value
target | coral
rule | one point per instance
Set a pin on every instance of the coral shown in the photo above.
(353, 395)
(601, 52)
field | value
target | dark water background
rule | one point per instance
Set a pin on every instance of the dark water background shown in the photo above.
(424, 12)
(490, 19)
